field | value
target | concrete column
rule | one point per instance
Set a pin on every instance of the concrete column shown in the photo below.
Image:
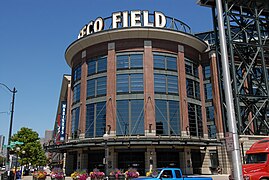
(216, 95)
(83, 95)
(84, 160)
(79, 159)
(202, 95)
(182, 92)
(187, 163)
(150, 159)
(111, 159)
(206, 161)
(149, 111)
(111, 90)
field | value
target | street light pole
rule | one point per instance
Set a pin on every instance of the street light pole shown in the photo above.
(236, 159)
(11, 121)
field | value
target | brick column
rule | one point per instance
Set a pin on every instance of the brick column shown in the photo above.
(83, 95)
(182, 92)
(68, 113)
(202, 95)
(111, 90)
(216, 95)
(149, 111)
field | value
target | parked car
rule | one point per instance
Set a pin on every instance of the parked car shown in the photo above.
(172, 173)
(3, 168)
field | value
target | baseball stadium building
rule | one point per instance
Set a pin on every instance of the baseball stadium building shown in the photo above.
(144, 93)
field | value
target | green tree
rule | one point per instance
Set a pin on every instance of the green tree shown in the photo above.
(34, 153)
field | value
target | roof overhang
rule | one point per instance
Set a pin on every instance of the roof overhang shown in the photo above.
(133, 33)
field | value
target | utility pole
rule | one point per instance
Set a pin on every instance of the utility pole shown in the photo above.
(236, 158)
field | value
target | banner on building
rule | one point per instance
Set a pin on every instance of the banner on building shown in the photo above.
(63, 121)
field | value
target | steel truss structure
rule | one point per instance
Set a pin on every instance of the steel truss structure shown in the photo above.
(247, 29)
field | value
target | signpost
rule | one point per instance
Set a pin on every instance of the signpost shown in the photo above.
(229, 141)
(11, 146)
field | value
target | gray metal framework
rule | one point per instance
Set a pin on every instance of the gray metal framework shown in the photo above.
(247, 29)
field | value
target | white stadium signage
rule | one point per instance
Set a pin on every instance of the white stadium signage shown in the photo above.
(125, 19)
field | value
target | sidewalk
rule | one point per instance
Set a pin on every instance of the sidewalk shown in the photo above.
(214, 177)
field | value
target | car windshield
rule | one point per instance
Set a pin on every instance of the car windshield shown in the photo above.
(256, 158)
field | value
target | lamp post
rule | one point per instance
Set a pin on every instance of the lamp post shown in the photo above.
(11, 121)
(16, 162)
(22, 165)
(106, 136)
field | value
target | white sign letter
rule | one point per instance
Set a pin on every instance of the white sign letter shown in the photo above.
(125, 19)
(98, 25)
(90, 28)
(116, 18)
(135, 18)
(160, 20)
(83, 32)
(146, 19)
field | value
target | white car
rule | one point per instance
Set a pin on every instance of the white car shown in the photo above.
(3, 168)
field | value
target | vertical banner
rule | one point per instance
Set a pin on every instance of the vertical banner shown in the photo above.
(63, 121)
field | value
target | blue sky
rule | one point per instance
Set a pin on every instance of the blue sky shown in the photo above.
(34, 35)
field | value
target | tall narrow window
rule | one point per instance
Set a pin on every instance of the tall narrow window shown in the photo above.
(174, 117)
(122, 117)
(123, 83)
(100, 119)
(208, 91)
(136, 83)
(76, 93)
(95, 120)
(96, 87)
(89, 131)
(77, 73)
(165, 62)
(195, 120)
(130, 83)
(97, 65)
(130, 117)
(172, 84)
(130, 61)
(212, 130)
(193, 88)
(167, 117)
(75, 122)
(160, 83)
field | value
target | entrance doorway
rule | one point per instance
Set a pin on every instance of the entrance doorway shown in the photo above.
(197, 159)
(96, 160)
(135, 160)
(167, 158)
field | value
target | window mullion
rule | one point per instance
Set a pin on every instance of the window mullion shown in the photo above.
(168, 118)
(94, 121)
(130, 118)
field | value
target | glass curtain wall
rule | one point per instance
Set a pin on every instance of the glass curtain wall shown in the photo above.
(96, 87)
(130, 83)
(167, 114)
